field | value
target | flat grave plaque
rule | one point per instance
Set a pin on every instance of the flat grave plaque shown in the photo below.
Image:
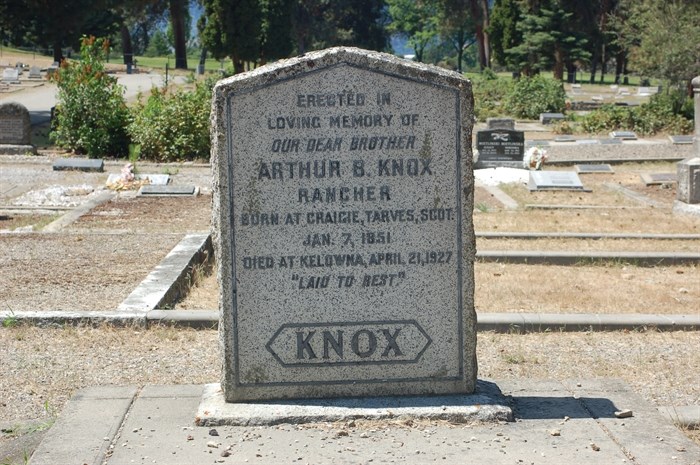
(564, 138)
(681, 140)
(610, 141)
(536, 143)
(549, 118)
(588, 142)
(79, 164)
(500, 145)
(341, 229)
(651, 179)
(161, 190)
(623, 135)
(594, 168)
(554, 180)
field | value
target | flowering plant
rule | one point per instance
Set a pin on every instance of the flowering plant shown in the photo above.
(534, 158)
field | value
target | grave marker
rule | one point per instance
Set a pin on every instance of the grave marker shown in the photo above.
(500, 145)
(159, 190)
(35, 72)
(681, 140)
(342, 230)
(594, 168)
(15, 129)
(651, 179)
(10, 76)
(554, 180)
(79, 164)
(623, 135)
(610, 141)
(689, 181)
(500, 123)
(549, 118)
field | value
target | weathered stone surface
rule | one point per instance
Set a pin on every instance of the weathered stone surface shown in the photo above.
(342, 228)
(688, 190)
(79, 164)
(15, 126)
(500, 123)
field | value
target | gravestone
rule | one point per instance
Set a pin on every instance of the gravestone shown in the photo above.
(159, 190)
(594, 168)
(15, 129)
(681, 140)
(688, 190)
(35, 72)
(549, 118)
(10, 76)
(342, 229)
(554, 180)
(79, 164)
(500, 147)
(651, 179)
(500, 123)
(610, 141)
(565, 138)
(623, 135)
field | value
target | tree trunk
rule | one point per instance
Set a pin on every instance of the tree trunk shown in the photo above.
(177, 19)
(594, 65)
(570, 72)
(57, 52)
(486, 21)
(558, 63)
(603, 64)
(619, 64)
(126, 45)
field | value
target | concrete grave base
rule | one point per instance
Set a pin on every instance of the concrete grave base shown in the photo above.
(557, 422)
(486, 405)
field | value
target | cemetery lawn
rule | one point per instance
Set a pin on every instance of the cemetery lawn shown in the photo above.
(41, 368)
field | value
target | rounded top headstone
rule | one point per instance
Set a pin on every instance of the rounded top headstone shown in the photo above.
(15, 123)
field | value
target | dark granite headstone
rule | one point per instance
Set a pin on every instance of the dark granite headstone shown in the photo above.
(500, 145)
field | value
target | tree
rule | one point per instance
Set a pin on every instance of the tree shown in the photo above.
(416, 20)
(457, 26)
(504, 33)
(663, 39)
(232, 28)
(550, 40)
(178, 14)
(358, 23)
(276, 40)
(58, 24)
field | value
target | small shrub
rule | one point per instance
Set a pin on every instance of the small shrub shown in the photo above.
(531, 96)
(490, 94)
(173, 126)
(91, 114)
(663, 113)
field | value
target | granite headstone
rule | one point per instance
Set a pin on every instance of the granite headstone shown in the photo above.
(15, 129)
(500, 145)
(342, 228)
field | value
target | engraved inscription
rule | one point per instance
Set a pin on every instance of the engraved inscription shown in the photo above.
(377, 342)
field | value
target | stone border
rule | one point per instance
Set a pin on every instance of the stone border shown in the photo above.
(169, 280)
(575, 257)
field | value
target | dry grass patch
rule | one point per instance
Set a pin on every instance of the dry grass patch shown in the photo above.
(661, 366)
(587, 289)
(76, 271)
